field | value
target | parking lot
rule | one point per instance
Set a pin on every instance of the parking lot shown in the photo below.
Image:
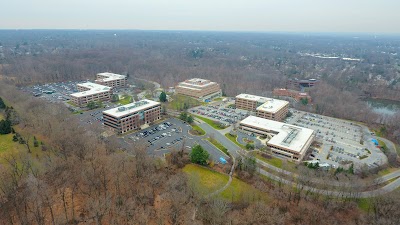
(53, 92)
(343, 142)
(169, 135)
(220, 112)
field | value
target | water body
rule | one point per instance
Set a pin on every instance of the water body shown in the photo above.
(382, 106)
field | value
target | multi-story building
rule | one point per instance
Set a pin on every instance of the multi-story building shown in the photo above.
(273, 109)
(132, 116)
(91, 92)
(300, 84)
(267, 108)
(285, 140)
(201, 89)
(111, 80)
(297, 95)
(249, 102)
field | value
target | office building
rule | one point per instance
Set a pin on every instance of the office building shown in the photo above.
(91, 92)
(132, 116)
(201, 89)
(297, 95)
(288, 141)
(268, 108)
(111, 80)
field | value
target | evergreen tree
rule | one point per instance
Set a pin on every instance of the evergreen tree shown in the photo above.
(2, 104)
(163, 97)
(199, 155)
(189, 119)
(5, 127)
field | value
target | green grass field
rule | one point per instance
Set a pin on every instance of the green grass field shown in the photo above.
(364, 204)
(239, 190)
(1, 116)
(382, 144)
(207, 181)
(125, 99)
(279, 163)
(179, 101)
(217, 99)
(218, 145)
(7, 146)
(72, 103)
(273, 161)
(198, 129)
(210, 122)
(233, 139)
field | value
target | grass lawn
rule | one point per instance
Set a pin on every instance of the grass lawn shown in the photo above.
(239, 190)
(218, 99)
(207, 181)
(210, 122)
(233, 139)
(383, 146)
(179, 100)
(287, 165)
(218, 145)
(78, 112)
(364, 204)
(125, 99)
(7, 146)
(386, 171)
(1, 116)
(198, 129)
(72, 103)
(273, 161)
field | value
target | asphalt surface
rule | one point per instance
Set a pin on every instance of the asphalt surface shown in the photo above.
(177, 137)
(343, 137)
(232, 147)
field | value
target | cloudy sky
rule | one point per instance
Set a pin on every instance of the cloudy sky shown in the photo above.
(378, 16)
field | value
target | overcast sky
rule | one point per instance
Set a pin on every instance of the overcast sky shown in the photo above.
(378, 16)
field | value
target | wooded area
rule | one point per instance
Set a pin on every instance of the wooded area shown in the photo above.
(78, 178)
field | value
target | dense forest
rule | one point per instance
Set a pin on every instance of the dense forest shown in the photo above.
(254, 63)
(79, 178)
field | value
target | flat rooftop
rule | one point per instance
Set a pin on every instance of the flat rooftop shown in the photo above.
(288, 137)
(253, 97)
(196, 82)
(131, 108)
(94, 89)
(110, 76)
(272, 105)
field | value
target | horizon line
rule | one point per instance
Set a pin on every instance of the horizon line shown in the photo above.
(217, 31)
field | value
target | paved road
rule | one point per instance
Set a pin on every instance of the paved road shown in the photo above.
(364, 194)
(232, 147)
(160, 146)
(379, 180)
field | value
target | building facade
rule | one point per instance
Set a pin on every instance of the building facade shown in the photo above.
(111, 80)
(268, 108)
(297, 95)
(132, 116)
(297, 84)
(288, 141)
(90, 92)
(201, 89)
